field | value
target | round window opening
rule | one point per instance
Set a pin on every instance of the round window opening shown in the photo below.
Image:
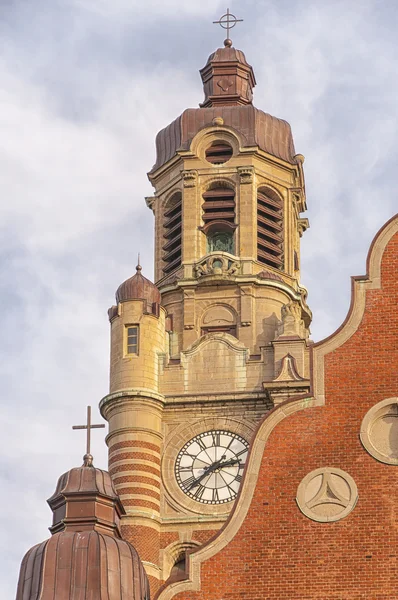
(218, 153)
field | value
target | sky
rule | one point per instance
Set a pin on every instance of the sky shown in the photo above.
(85, 85)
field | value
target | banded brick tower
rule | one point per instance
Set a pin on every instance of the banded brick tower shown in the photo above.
(200, 357)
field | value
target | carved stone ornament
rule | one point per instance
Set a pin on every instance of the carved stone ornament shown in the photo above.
(189, 178)
(291, 322)
(302, 225)
(288, 371)
(150, 201)
(217, 264)
(246, 174)
(327, 494)
(379, 431)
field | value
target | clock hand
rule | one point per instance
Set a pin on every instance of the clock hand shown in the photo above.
(229, 463)
(207, 471)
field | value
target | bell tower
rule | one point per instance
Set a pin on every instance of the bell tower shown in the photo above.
(229, 195)
(221, 338)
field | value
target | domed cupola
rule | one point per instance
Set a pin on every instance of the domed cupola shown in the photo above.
(138, 287)
(85, 557)
(227, 77)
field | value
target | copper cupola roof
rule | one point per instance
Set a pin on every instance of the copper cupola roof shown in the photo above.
(228, 79)
(85, 557)
(138, 287)
(228, 82)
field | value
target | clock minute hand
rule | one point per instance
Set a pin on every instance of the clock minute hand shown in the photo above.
(207, 471)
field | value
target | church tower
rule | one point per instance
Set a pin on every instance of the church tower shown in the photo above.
(199, 358)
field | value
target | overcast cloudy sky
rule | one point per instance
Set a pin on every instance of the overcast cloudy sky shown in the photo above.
(84, 87)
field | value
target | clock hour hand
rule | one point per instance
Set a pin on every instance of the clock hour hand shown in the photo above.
(229, 463)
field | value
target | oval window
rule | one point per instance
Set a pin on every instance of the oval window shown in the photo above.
(218, 153)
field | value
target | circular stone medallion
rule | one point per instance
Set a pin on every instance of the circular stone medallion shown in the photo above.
(379, 431)
(327, 494)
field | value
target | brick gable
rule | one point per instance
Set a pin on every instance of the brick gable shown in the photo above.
(276, 551)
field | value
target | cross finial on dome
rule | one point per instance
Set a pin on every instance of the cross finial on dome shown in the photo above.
(227, 21)
(88, 457)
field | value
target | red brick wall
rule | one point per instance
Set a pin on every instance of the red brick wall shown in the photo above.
(279, 553)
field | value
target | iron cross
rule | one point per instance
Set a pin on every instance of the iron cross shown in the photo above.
(227, 21)
(89, 427)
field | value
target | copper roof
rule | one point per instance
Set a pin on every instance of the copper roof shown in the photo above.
(85, 558)
(228, 82)
(228, 79)
(138, 287)
(227, 54)
(85, 480)
(255, 127)
(85, 565)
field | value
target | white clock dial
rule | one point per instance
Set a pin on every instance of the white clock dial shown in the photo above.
(209, 467)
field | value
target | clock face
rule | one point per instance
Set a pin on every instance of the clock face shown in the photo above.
(209, 467)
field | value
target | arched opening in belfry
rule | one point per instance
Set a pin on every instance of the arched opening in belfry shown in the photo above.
(172, 226)
(219, 217)
(269, 228)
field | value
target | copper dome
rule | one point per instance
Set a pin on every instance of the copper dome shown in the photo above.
(227, 54)
(85, 558)
(256, 128)
(138, 287)
(82, 480)
(228, 82)
(82, 564)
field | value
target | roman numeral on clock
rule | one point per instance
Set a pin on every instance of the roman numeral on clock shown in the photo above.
(199, 492)
(201, 444)
(188, 482)
(216, 438)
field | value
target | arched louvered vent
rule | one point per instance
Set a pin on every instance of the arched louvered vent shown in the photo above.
(219, 219)
(218, 153)
(219, 205)
(269, 229)
(172, 233)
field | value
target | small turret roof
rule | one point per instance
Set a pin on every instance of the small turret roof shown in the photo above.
(138, 287)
